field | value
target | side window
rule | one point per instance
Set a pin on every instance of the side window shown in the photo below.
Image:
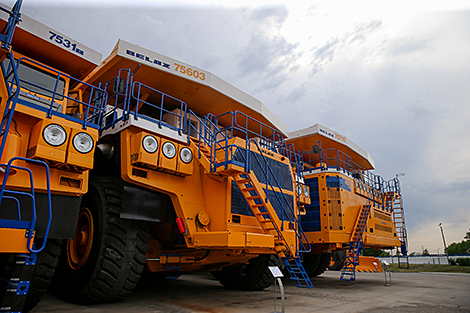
(40, 81)
(36, 80)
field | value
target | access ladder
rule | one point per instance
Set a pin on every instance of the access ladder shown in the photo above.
(348, 271)
(395, 204)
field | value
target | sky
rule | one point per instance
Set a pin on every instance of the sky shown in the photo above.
(393, 76)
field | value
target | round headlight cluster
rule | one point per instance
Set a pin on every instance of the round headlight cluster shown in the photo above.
(186, 155)
(306, 193)
(150, 144)
(169, 150)
(299, 189)
(54, 135)
(83, 143)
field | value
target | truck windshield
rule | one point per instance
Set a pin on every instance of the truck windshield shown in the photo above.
(39, 81)
(34, 78)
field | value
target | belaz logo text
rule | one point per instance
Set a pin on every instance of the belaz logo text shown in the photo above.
(148, 59)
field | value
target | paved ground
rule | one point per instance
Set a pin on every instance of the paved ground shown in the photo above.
(410, 292)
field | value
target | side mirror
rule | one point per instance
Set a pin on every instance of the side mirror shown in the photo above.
(315, 149)
(119, 85)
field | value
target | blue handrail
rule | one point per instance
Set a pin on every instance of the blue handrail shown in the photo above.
(31, 194)
(120, 101)
(326, 159)
(10, 105)
(6, 35)
(95, 103)
(139, 88)
(289, 214)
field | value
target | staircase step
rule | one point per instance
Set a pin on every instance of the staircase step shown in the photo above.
(249, 189)
(243, 181)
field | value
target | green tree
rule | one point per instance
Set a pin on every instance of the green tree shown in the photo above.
(425, 252)
(384, 253)
(374, 252)
(460, 247)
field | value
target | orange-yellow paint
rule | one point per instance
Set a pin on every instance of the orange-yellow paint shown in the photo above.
(40, 149)
(339, 210)
(14, 241)
(369, 264)
(84, 161)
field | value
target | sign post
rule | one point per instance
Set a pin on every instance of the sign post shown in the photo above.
(277, 274)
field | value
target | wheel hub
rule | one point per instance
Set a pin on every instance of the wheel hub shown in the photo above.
(78, 249)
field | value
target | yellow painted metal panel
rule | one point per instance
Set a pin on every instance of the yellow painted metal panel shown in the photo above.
(83, 160)
(259, 240)
(369, 264)
(39, 148)
(138, 153)
(166, 163)
(220, 239)
(13, 241)
(185, 168)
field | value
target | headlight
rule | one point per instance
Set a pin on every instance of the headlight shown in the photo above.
(299, 189)
(186, 155)
(306, 193)
(150, 144)
(54, 135)
(169, 150)
(83, 143)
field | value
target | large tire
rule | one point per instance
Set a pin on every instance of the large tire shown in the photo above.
(42, 273)
(338, 258)
(316, 264)
(106, 258)
(255, 276)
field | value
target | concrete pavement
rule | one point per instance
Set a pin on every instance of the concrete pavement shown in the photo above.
(410, 292)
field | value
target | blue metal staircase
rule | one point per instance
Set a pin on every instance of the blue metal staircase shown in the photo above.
(348, 271)
(297, 272)
(262, 189)
(19, 283)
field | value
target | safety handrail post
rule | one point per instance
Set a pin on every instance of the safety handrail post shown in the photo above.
(292, 219)
(32, 195)
(10, 107)
(13, 20)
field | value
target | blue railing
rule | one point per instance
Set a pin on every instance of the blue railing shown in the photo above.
(140, 89)
(204, 131)
(117, 98)
(333, 159)
(6, 34)
(288, 212)
(19, 223)
(129, 98)
(10, 103)
(91, 113)
(243, 126)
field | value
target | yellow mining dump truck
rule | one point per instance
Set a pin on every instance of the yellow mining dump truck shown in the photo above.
(351, 208)
(190, 174)
(48, 134)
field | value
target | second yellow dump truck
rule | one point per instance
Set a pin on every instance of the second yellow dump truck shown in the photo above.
(351, 208)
